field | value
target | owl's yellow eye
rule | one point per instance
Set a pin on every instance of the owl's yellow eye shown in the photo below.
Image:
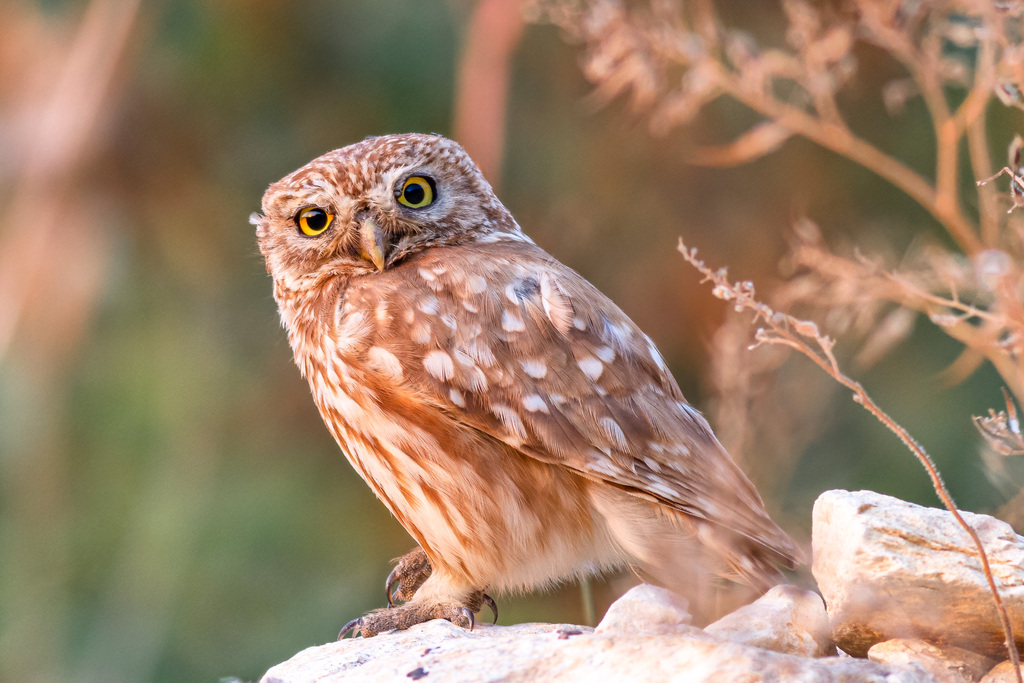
(313, 221)
(417, 192)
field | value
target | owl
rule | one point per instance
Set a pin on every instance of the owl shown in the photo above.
(514, 420)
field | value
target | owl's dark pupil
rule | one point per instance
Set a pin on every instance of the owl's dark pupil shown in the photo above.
(414, 193)
(316, 219)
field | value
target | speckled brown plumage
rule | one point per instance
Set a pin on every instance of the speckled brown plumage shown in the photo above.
(514, 420)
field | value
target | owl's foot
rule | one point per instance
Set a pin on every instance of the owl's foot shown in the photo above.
(410, 614)
(411, 570)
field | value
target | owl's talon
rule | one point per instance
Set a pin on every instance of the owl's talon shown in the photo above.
(410, 571)
(466, 614)
(355, 626)
(489, 601)
(390, 584)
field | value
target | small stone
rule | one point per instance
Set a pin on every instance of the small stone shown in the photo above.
(647, 609)
(890, 569)
(947, 664)
(785, 619)
(1002, 673)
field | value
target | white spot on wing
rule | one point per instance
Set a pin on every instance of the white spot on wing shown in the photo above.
(510, 293)
(477, 380)
(457, 398)
(510, 322)
(556, 304)
(439, 364)
(429, 304)
(535, 368)
(427, 275)
(605, 353)
(479, 351)
(510, 419)
(476, 284)
(613, 432)
(591, 367)
(534, 402)
(656, 355)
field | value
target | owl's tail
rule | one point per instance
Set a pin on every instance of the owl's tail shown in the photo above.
(664, 545)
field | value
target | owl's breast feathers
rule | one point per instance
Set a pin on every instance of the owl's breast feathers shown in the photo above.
(493, 360)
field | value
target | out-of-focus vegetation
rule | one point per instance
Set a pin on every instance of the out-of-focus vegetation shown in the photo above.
(171, 507)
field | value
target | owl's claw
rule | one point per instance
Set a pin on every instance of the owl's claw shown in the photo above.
(355, 626)
(489, 601)
(390, 584)
(466, 614)
(410, 571)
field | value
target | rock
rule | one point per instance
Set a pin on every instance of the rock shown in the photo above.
(947, 664)
(440, 651)
(785, 619)
(890, 569)
(647, 609)
(1002, 673)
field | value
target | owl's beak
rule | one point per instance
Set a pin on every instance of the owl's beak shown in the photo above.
(371, 243)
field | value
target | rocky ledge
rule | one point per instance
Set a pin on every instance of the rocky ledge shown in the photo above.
(904, 600)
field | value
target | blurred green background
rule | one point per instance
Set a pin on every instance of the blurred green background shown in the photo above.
(171, 507)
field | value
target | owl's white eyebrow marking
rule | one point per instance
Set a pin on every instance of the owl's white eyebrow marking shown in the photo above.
(534, 402)
(591, 367)
(510, 322)
(535, 367)
(439, 364)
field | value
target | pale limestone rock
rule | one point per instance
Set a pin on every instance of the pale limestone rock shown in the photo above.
(647, 609)
(785, 619)
(947, 664)
(528, 653)
(1002, 673)
(890, 569)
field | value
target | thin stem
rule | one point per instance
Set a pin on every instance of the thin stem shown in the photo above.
(800, 335)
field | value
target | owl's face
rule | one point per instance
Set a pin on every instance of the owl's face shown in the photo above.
(365, 207)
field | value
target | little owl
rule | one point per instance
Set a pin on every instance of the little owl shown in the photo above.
(519, 426)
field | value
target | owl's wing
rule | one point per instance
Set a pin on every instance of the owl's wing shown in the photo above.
(511, 342)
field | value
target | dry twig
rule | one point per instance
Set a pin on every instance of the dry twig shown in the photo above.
(804, 336)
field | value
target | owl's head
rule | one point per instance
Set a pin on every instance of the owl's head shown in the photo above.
(366, 207)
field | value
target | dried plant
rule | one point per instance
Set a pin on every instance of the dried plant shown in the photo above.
(671, 59)
(804, 336)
